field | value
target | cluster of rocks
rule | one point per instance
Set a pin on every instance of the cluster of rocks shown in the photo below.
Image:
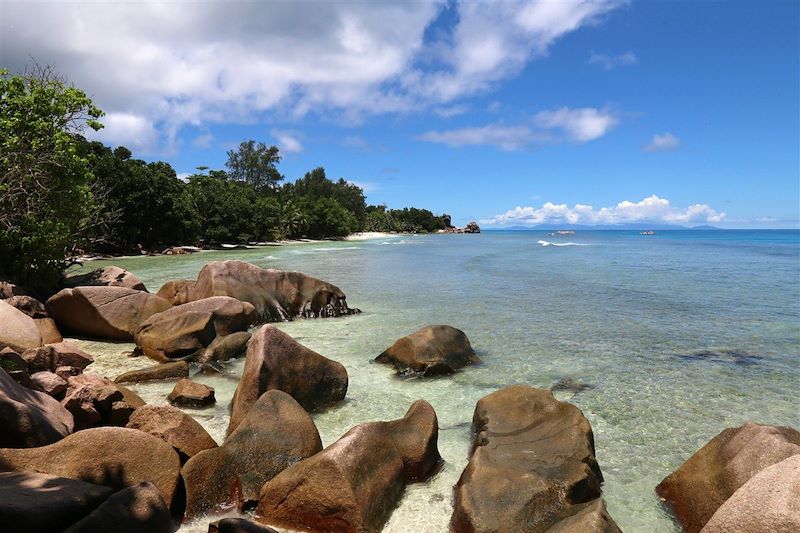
(472, 227)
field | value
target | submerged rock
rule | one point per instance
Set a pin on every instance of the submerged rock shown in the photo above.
(174, 427)
(571, 385)
(186, 330)
(277, 361)
(191, 394)
(709, 477)
(110, 276)
(30, 418)
(768, 503)
(112, 313)
(354, 484)
(18, 331)
(176, 369)
(275, 434)
(532, 467)
(277, 295)
(31, 502)
(110, 456)
(429, 351)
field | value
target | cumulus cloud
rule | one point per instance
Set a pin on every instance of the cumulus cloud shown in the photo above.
(134, 131)
(287, 141)
(663, 143)
(203, 141)
(651, 209)
(577, 125)
(609, 62)
(581, 125)
(169, 64)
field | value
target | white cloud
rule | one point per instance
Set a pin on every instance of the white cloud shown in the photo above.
(287, 141)
(609, 62)
(578, 125)
(203, 141)
(504, 137)
(177, 63)
(663, 143)
(366, 186)
(125, 129)
(451, 111)
(650, 209)
(581, 125)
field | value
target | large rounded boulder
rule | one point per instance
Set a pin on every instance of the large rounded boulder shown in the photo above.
(354, 484)
(768, 503)
(709, 477)
(110, 456)
(113, 313)
(276, 361)
(177, 292)
(174, 427)
(184, 331)
(275, 434)
(110, 276)
(134, 509)
(30, 418)
(532, 467)
(429, 351)
(18, 331)
(277, 295)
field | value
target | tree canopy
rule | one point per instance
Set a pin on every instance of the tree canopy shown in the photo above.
(255, 164)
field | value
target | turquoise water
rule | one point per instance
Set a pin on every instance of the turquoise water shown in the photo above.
(680, 335)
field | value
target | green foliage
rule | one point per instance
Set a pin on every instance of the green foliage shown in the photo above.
(152, 205)
(329, 219)
(315, 185)
(255, 164)
(44, 177)
(409, 219)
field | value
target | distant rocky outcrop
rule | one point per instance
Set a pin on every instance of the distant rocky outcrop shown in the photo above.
(472, 227)
(110, 276)
(429, 351)
(275, 433)
(113, 313)
(702, 484)
(184, 331)
(275, 361)
(277, 295)
(354, 484)
(532, 468)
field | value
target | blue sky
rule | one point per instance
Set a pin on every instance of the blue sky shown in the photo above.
(512, 113)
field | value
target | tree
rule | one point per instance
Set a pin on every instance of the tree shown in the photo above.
(228, 210)
(255, 164)
(315, 185)
(44, 178)
(330, 220)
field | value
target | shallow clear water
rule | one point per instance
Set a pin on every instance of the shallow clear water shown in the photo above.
(680, 335)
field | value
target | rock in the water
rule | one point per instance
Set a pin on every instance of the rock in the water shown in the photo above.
(184, 331)
(177, 292)
(191, 394)
(768, 503)
(176, 369)
(97, 401)
(238, 525)
(136, 509)
(28, 305)
(571, 385)
(30, 418)
(354, 484)
(277, 295)
(225, 348)
(51, 356)
(31, 502)
(532, 467)
(114, 457)
(173, 426)
(110, 276)
(472, 227)
(104, 312)
(276, 361)
(18, 331)
(48, 330)
(50, 383)
(710, 476)
(275, 434)
(429, 351)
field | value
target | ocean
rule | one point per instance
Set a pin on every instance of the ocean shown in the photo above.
(678, 335)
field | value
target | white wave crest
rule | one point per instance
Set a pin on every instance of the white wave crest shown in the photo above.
(547, 243)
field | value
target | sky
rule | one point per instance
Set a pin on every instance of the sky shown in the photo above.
(509, 113)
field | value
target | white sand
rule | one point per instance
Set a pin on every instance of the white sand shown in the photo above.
(368, 235)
